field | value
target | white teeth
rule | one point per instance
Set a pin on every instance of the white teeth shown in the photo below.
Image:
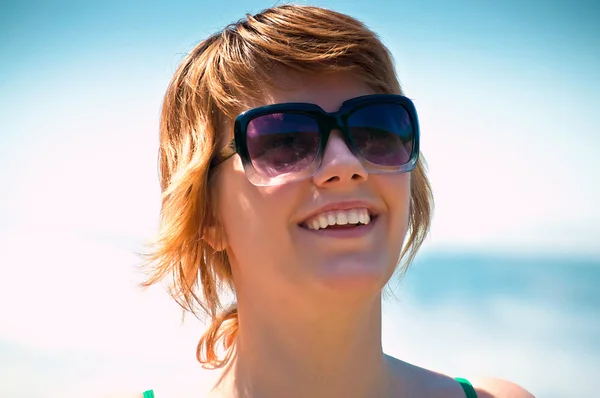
(331, 218)
(353, 217)
(315, 224)
(339, 217)
(366, 219)
(323, 222)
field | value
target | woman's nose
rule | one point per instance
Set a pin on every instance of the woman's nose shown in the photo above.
(339, 165)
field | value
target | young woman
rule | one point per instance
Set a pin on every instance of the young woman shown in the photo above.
(291, 176)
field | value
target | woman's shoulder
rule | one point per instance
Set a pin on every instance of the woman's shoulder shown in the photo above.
(432, 384)
(493, 387)
(485, 387)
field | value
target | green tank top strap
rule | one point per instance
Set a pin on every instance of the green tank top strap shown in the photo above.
(466, 386)
(149, 394)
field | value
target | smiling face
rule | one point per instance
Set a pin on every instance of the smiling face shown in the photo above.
(281, 240)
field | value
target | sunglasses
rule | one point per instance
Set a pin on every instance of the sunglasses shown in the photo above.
(284, 143)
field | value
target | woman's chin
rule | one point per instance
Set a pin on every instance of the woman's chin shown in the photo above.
(353, 275)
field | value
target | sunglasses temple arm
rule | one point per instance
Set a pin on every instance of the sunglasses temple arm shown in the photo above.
(228, 151)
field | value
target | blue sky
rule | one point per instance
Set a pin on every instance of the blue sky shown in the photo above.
(506, 94)
(508, 97)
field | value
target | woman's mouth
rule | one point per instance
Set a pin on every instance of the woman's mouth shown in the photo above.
(339, 219)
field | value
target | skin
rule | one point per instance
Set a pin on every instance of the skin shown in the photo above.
(310, 306)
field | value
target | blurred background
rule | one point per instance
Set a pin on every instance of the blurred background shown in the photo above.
(506, 284)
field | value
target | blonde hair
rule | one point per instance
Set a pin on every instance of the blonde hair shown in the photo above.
(205, 92)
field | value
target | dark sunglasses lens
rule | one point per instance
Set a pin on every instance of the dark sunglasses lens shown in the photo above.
(383, 134)
(282, 143)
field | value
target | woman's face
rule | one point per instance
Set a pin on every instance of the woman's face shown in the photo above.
(272, 250)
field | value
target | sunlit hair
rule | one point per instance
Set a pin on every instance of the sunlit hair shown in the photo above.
(208, 89)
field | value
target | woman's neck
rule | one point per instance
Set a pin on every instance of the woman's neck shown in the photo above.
(330, 350)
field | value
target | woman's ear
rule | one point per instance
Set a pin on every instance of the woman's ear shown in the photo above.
(214, 238)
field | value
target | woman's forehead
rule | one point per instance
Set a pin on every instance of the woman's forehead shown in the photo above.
(328, 91)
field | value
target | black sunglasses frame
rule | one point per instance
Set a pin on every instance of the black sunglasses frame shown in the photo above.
(326, 122)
